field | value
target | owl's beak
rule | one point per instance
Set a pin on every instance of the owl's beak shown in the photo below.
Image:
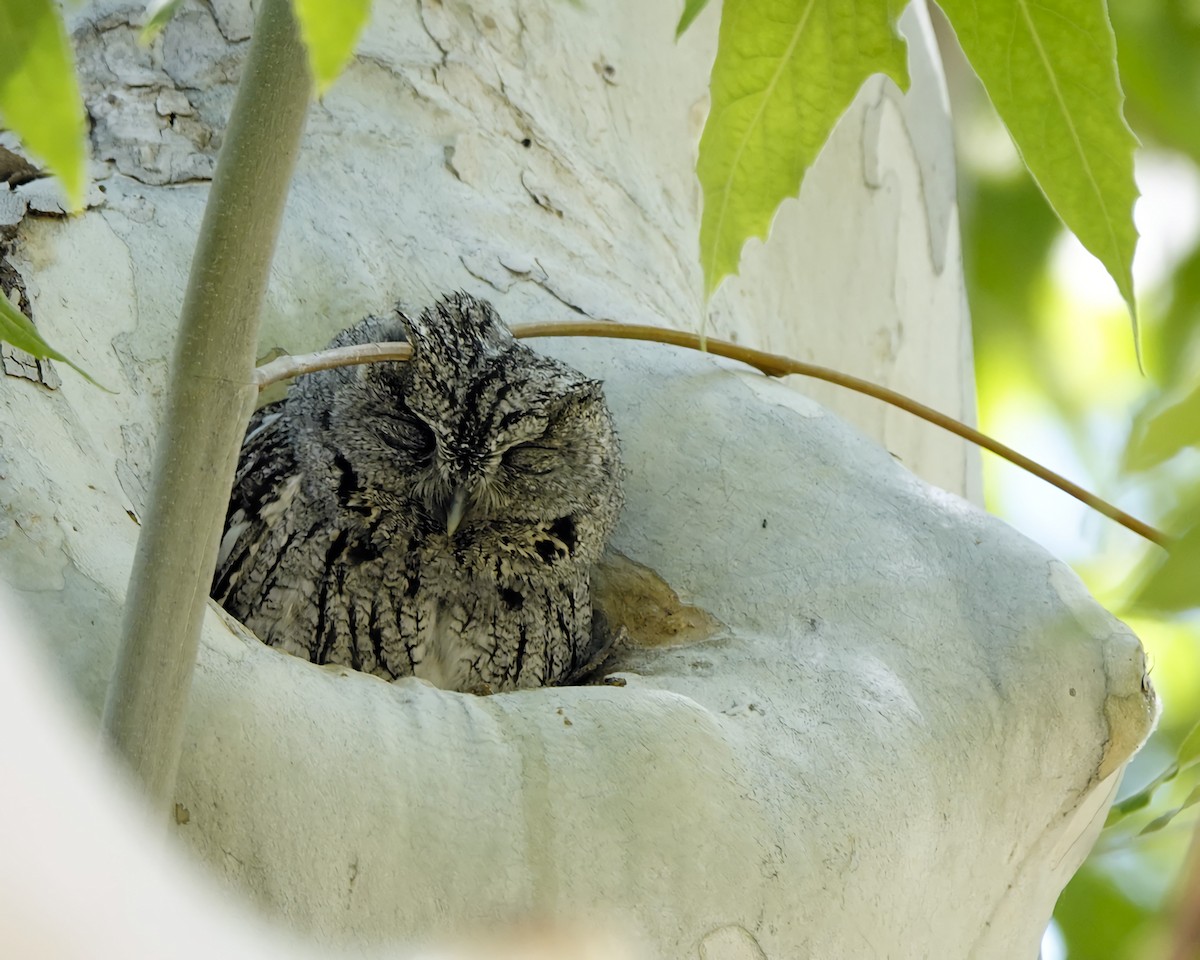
(454, 515)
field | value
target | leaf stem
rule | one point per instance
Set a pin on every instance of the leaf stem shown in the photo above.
(212, 390)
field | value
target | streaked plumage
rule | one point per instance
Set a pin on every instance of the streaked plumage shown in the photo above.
(437, 517)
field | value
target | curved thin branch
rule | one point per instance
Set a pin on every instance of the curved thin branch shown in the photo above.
(771, 364)
(286, 367)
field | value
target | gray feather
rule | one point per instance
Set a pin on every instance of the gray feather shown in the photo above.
(341, 543)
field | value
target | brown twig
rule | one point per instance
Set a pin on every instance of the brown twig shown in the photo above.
(773, 365)
(286, 367)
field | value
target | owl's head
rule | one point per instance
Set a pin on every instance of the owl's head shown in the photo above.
(476, 432)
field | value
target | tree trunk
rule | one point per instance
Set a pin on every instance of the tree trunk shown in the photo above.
(897, 725)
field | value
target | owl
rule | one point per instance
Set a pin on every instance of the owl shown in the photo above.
(436, 518)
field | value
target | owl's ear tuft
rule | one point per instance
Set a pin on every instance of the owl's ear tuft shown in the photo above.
(459, 328)
(588, 390)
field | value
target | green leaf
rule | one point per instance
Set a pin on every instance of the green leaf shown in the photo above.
(1008, 232)
(785, 71)
(1161, 821)
(1165, 433)
(1050, 69)
(1141, 799)
(160, 12)
(1189, 750)
(691, 10)
(1160, 68)
(1177, 327)
(330, 28)
(1174, 585)
(17, 329)
(39, 98)
(1099, 918)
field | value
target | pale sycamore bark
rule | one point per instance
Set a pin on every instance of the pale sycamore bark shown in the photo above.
(898, 727)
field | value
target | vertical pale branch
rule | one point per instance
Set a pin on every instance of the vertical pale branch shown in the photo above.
(211, 395)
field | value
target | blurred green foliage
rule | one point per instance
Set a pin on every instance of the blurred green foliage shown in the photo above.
(1049, 72)
(1100, 921)
(1049, 361)
(330, 29)
(39, 96)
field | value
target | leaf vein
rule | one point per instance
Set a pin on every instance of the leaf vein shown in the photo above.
(727, 187)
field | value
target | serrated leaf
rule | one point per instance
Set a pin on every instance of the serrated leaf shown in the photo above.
(1166, 433)
(785, 71)
(17, 330)
(160, 12)
(1050, 69)
(691, 10)
(330, 29)
(39, 97)
(1174, 585)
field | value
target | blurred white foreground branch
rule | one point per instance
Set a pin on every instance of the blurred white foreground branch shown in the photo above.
(86, 874)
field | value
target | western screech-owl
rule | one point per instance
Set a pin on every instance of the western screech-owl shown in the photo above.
(437, 517)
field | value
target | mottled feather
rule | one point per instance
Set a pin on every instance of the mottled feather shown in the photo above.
(437, 518)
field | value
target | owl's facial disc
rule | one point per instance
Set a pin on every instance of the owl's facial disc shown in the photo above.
(508, 435)
(497, 437)
(511, 473)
